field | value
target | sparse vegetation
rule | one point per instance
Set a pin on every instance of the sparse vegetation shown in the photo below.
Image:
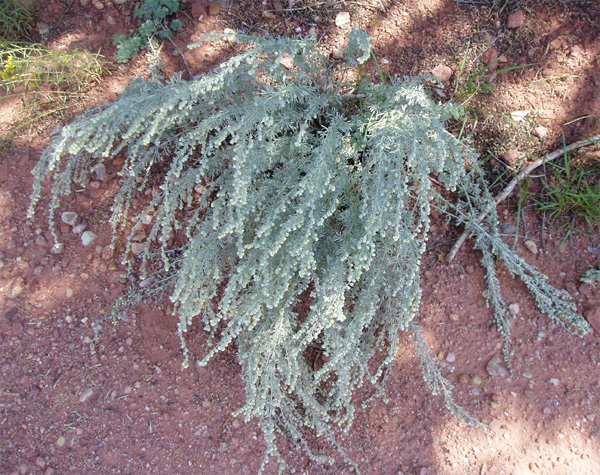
(155, 15)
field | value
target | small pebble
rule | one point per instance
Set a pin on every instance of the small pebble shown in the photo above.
(532, 246)
(88, 237)
(529, 394)
(541, 132)
(518, 116)
(79, 228)
(514, 309)
(342, 19)
(496, 367)
(515, 20)
(511, 157)
(442, 72)
(451, 358)
(591, 417)
(69, 217)
(86, 395)
(138, 248)
(60, 441)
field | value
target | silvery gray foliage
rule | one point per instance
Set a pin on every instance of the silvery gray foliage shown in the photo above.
(289, 186)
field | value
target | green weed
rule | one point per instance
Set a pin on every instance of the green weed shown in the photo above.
(154, 13)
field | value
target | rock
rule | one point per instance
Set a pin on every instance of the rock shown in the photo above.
(146, 282)
(58, 248)
(120, 2)
(15, 288)
(591, 417)
(509, 229)
(312, 31)
(496, 367)
(442, 72)
(593, 317)
(541, 132)
(41, 241)
(139, 237)
(286, 61)
(518, 116)
(42, 28)
(529, 394)
(85, 3)
(99, 5)
(511, 157)
(79, 228)
(69, 217)
(40, 462)
(451, 357)
(268, 16)
(342, 19)
(101, 169)
(107, 253)
(337, 53)
(88, 237)
(111, 21)
(86, 395)
(60, 441)
(214, 8)
(138, 248)
(514, 309)
(532, 246)
(554, 382)
(515, 20)
(69, 292)
(490, 58)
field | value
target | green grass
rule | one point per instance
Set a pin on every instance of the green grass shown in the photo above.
(16, 20)
(33, 68)
(46, 80)
(571, 195)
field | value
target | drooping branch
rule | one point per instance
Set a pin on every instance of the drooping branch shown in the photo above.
(516, 180)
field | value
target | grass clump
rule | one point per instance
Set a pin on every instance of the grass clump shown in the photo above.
(571, 196)
(46, 80)
(155, 16)
(34, 68)
(16, 20)
(278, 184)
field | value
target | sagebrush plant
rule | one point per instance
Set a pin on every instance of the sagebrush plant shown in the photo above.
(285, 185)
(155, 15)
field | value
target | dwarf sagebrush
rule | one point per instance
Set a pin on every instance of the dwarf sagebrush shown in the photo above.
(287, 183)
